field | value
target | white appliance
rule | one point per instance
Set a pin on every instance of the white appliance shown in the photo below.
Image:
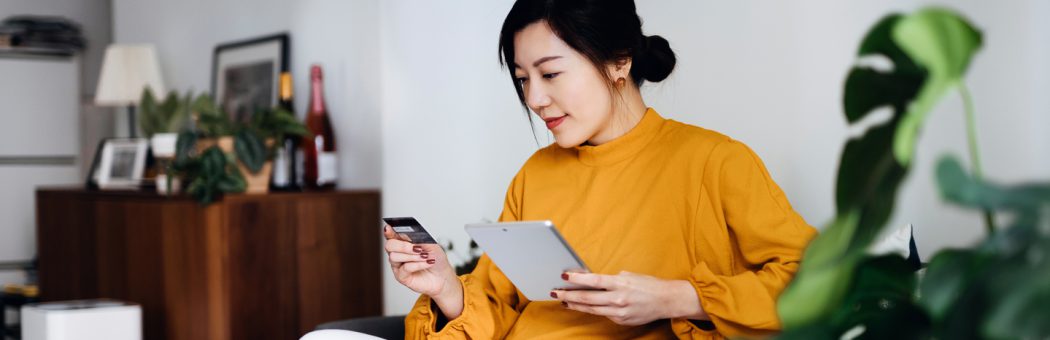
(82, 320)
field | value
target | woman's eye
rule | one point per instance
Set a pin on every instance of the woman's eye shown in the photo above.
(521, 80)
(550, 75)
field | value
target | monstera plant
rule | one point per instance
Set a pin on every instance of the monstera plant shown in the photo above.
(998, 288)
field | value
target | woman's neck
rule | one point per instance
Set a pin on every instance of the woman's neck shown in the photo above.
(627, 111)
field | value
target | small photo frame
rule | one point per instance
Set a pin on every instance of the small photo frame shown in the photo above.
(246, 74)
(118, 164)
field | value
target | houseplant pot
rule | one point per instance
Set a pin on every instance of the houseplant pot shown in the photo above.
(160, 121)
(163, 147)
(257, 183)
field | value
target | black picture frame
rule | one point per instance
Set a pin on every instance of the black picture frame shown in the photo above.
(246, 74)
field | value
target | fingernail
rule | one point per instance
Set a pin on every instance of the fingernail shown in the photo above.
(431, 261)
(417, 249)
(565, 304)
(554, 295)
(424, 255)
(565, 276)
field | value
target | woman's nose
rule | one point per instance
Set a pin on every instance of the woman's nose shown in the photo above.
(537, 98)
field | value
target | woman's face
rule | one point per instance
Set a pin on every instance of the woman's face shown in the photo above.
(561, 86)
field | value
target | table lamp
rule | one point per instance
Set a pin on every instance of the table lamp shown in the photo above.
(126, 71)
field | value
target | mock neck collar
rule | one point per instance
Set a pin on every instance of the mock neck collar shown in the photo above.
(625, 146)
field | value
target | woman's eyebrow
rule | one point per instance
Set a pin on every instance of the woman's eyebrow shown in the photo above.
(540, 61)
(544, 59)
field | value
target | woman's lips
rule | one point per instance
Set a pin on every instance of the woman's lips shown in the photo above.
(554, 122)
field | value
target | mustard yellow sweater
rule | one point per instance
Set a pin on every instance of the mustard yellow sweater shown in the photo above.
(666, 199)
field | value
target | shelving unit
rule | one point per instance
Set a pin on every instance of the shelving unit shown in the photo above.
(39, 141)
(34, 53)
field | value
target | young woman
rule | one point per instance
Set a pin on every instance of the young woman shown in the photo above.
(686, 232)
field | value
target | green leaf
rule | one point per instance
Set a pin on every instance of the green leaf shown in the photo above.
(250, 149)
(286, 123)
(943, 43)
(960, 188)
(877, 296)
(233, 183)
(993, 288)
(868, 180)
(1019, 310)
(824, 275)
(169, 115)
(947, 276)
(185, 146)
(213, 162)
(880, 300)
(147, 109)
(867, 89)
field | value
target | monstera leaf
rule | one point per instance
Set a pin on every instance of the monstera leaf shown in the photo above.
(943, 43)
(878, 304)
(999, 289)
(871, 167)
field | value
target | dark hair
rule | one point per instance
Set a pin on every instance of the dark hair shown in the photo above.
(603, 31)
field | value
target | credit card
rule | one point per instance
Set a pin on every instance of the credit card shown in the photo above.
(409, 227)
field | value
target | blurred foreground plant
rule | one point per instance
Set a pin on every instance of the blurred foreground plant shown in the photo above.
(997, 289)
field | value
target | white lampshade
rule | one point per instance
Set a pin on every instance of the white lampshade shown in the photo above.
(126, 70)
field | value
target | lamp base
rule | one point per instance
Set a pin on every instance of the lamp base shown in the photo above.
(132, 128)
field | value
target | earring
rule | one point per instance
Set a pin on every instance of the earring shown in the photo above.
(621, 82)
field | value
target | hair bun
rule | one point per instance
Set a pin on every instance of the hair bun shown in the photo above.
(653, 60)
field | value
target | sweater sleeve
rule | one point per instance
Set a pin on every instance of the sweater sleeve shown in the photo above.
(766, 236)
(491, 303)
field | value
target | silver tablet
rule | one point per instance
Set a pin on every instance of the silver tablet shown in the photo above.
(533, 255)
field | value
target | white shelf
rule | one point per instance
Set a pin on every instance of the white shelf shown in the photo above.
(39, 142)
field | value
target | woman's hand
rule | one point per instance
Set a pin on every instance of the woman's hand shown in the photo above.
(631, 299)
(424, 269)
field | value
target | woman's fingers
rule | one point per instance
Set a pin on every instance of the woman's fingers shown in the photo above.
(607, 282)
(412, 267)
(388, 232)
(402, 257)
(607, 311)
(590, 297)
(399, 246)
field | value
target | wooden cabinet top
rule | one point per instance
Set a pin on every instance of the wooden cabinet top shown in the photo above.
(140, 195)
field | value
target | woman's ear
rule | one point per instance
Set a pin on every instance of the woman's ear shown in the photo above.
(620, 69)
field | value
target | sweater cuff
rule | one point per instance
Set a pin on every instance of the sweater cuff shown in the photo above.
(428, 311)
(712, 292)
(694, 329)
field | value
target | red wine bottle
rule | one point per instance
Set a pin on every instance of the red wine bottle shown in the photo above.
(319, 155)
(287, 173)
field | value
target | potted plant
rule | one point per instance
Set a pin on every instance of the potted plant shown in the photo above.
(222, 156)
(160, 122)
(255, 144)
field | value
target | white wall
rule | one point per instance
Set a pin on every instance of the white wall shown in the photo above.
(453, 133)
(769, 74)
(340, 35)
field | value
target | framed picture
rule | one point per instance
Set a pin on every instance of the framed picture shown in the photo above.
(119, 164)
(246, 74)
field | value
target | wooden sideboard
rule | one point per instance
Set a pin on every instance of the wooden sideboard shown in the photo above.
(247, 267)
